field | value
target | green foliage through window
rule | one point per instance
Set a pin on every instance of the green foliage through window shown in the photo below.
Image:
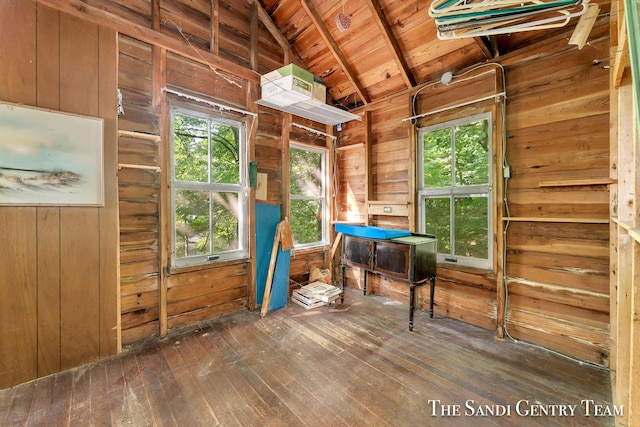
(207, 184)
(307, 195)
(456, 187)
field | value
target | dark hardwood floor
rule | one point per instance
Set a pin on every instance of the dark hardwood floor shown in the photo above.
(346, 365)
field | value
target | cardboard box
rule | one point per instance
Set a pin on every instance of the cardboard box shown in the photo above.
(319, 92)
(287, 85)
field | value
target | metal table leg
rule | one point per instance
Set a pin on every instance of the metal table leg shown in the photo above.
(342, 286)
(412, 288)
(364, 286)
(431, 292)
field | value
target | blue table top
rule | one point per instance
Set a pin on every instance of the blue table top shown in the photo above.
(371, 231)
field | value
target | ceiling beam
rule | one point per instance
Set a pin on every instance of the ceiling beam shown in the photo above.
(485, 46)
(271, 27)
(317, 21)
(92, 14)
(289, 54)
(392, 43)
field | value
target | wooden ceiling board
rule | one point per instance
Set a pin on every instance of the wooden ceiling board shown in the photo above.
(409, 18)
(378, 68)
(343, 93)
(416, 30)
(386, 87)
(291, 20)
(432, 67)
(391, 45)
(337, 51)
(310, 45)
(365, 49)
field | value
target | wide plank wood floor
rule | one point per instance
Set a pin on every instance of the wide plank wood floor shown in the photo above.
(354, 364)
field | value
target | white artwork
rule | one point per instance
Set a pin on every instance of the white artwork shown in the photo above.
(49, 158)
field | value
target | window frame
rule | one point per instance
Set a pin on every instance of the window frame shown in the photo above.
(324, 152)
(452, 191)
(241, 189)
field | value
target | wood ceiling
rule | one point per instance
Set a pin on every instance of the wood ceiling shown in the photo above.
(390, 46)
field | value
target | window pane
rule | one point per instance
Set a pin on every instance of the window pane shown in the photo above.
(471, 226)
(225, 221)
(192, 223)
(306, 221)
(190, 149)
(437, 158)
(437, 213)
(306, 172)
(225, 154)
(472, 155)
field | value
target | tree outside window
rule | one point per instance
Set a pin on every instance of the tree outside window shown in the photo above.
(307, 187)
(208, 185)
(455, 189)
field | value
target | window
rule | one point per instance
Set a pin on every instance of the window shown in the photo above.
(455, 189)
(208, 189)
(308, 202)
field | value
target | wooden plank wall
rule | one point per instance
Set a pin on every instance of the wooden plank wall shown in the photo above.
(351, 191)
(390, 158)
(557, 130)
(135, 70)
(268, 145)
(222, 28)
(59, 281)
(191, 294)
(139, 207)
(557, 269)
(463, 293)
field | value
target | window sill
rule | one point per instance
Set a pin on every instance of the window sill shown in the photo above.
(308, 250)
(206, 266)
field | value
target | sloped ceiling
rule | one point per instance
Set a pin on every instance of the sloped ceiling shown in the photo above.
(390, 46)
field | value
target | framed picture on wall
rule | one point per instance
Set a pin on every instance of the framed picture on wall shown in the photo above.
(50, 158)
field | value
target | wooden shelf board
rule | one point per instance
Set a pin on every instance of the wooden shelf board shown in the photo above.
(140, 135)
(576, 182)
(145, 167)
(565, 220)
(629, 228)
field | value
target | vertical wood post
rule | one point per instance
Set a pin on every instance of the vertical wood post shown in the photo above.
(252, 130)
(499, 225)
(159, 81)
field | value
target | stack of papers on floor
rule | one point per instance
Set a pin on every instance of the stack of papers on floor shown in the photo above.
(315, 294)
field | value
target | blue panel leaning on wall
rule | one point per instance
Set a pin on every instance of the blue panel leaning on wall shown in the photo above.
(267, 220)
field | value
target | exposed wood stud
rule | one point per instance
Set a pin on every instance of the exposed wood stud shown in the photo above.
(214, 41)
(271, 27)
(253, 37)
(485, 46)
